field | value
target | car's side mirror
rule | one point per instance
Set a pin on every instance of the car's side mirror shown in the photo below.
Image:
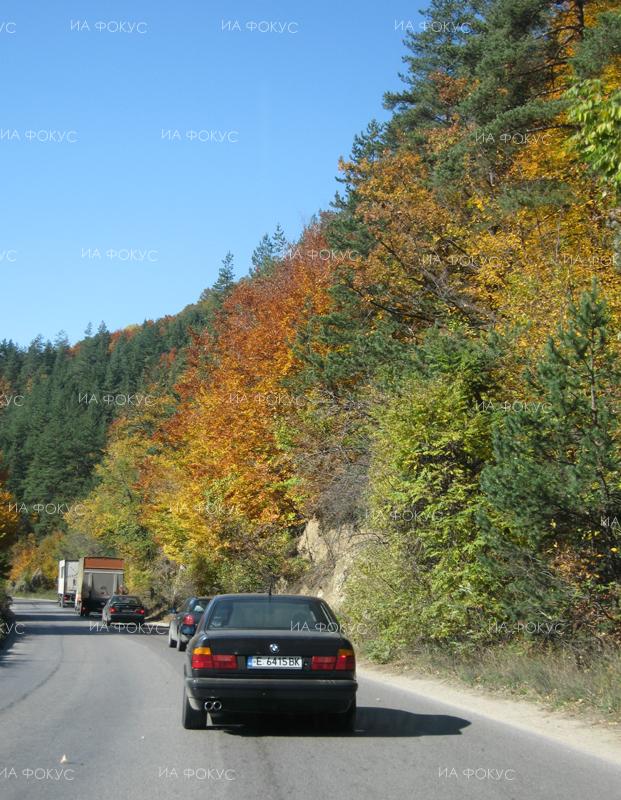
(173, 610)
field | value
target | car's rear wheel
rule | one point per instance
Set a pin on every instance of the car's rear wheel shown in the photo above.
(346, 723)
(171, 642)
(181, 645)
(190, 718)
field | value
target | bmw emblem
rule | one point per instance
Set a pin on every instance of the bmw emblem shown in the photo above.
(274, 648)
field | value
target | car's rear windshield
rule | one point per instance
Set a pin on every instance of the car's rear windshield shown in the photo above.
(127, 599)
(270, 613)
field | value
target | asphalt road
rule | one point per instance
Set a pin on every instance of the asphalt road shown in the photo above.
(110, 704)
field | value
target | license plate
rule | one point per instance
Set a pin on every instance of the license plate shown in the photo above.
(274, 662)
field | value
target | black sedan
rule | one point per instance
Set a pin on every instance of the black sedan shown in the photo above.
(184, 620)
(266, 654)
(123, 608)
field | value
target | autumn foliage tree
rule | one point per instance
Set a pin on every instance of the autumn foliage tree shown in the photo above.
(342, 377)
(220, 487)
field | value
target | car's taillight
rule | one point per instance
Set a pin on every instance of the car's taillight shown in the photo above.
(202, 658)
(323, 662)
(112, 608)
(188, 620)
(224, 662)
(346, 660)
(141, 610)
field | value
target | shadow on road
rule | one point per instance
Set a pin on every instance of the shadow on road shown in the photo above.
(370, 722)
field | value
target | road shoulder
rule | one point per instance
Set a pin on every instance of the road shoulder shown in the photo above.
(593, 738)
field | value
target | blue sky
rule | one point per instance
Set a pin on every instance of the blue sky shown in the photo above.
(85, 166)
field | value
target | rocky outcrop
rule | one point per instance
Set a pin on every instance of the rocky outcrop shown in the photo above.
(330, 554)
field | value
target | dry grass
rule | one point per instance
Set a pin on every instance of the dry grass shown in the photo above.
(558, 679)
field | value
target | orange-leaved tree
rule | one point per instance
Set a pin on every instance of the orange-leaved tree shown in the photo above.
(219, 488)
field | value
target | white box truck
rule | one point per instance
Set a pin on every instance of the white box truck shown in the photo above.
(67, 581)
(99, 577)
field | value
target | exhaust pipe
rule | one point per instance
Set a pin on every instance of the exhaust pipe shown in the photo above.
(213, 705)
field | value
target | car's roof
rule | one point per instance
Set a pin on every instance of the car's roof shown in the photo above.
(265, 596)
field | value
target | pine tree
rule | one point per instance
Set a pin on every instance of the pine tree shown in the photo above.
(279, 243)
(437, 49)
(556, 480)
(262, 255)
(269, 250)
(226, 276)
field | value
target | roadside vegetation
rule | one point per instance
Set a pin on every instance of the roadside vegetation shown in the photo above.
(436, 361)
(556, 678)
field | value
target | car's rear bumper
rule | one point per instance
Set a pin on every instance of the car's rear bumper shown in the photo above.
(126, 618)
(256, 695)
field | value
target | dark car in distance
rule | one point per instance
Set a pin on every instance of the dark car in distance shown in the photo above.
(184, 620)
(269, 654)
(123, 608)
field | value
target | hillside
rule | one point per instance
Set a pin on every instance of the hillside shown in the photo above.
(434, 365)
